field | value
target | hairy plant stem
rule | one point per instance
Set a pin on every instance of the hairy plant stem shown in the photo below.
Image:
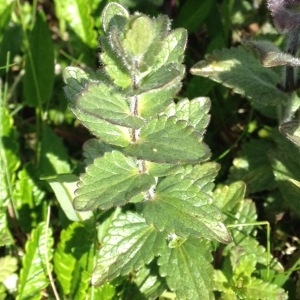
(135, 133)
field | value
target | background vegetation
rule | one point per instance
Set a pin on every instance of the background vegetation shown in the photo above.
(40, 138)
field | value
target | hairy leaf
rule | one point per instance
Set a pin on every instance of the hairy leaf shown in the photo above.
(168, 140)
(111, 13)
(238, 69)
(180, 207)
(195, 112)
(271, 56)
(163, 85)
(76, 79)
(114, 66)
(33, 276)
(111, 180)
(129, 244)
(188, 269)
(105, 102)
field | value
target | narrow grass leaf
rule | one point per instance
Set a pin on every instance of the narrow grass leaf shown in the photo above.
(54, 158)
(39, 69)
(64, 186)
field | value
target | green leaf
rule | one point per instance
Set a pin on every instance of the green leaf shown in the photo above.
(39, 69)
(73, 261)
(224, 285)
(5, 235)
(252, 165)
(156, 56)
(54, 158)
(238, 69)
(203, 175)
(109, 14)
(138, 37)
(188, 269)
(77, 15)
(172, 47)
(105, 102)
(27, 197)
(195, 112)
(180, 207)
(193, 14)
(129, 244)
(245, 236)
(9, 154)
(271, 56)
(285, 171)
(227, 197)
(34, 275)
(105, 131)
(64, 186)
(105, 292)
(291, 130)
(9, 265)
(94, 148)
(76, 79)
(149, 282)
(114, 66)
(112, 180)
(243, 264)
(258, 289)
(169, 140)
(9, 163)
(164, 84)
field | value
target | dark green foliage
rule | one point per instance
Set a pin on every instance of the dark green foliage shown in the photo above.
(125, 176)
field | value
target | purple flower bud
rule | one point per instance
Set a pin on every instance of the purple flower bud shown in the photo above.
(284, 16)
